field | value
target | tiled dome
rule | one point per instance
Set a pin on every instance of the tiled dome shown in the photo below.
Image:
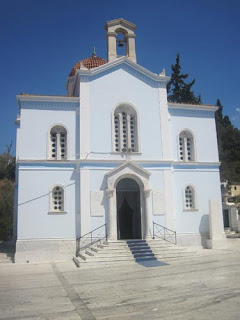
(89, 63)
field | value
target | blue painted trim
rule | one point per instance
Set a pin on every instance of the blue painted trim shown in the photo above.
(46, 165)
(196, 167)
(156, 165)
(99, 165)
(49, 105)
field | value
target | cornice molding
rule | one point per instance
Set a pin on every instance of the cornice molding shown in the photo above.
(122, 22)
(168, 163)
(131, 36)
(200, 107)
(54, 99)
(111, 33)
(35, 102)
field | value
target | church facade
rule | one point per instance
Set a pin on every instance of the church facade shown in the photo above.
(113, 151)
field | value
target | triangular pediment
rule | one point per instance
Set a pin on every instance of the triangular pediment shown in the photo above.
(131, 166)
(120, 22)
(121, 63)
(128, 169)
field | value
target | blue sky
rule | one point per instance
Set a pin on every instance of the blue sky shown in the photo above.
(41, 41)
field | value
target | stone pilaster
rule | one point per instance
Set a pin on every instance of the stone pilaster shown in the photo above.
(112, 46)
(111, 217)
(148, 214)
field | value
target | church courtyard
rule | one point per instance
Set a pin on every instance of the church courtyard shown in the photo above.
(206, 286)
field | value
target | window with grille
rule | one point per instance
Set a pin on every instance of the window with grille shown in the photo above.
(186, 146)
(125, 124)
(57, 200)
(189, 198)
(58, 143)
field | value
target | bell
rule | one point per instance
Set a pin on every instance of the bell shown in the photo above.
(120, 43)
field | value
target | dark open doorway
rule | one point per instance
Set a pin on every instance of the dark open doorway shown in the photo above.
(226, 218)
(128, 209)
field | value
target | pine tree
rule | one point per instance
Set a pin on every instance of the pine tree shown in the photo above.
(219, 114)
(178, 90)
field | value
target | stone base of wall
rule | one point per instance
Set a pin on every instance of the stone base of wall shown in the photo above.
(191, 239)
(28, 251)
(217, 243)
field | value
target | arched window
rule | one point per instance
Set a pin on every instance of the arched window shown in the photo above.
(125, 124)
(189, 198)
(58, 143)
(186, 146)
(57, 199)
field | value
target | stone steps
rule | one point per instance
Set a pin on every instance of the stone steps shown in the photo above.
(126, 256)
(6, 258)
(7, 250)
(132, 251)
(231, 234)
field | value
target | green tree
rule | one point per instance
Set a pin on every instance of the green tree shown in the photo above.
(219, 113)
(7, 166)
(178, 90)
(228, 146)
(6, 208)
(7, 177)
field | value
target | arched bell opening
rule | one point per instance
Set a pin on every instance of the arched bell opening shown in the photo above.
(128, 210)
(121, 42)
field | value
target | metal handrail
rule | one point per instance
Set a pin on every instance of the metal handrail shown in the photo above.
(164, 233)
(89, 238)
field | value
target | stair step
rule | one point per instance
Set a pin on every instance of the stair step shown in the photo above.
(231, 236)
(101, 246)
(143, 255)
(115, 259)
(80, 255)
(89, 253)
(136, 241)
(140, 246)
(6, 257)
(146, 258)
(109, 263)
(141, 251)
(114, 252)
(76, 261)
(110, 255)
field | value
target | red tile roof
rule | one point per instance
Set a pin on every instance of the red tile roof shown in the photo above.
(89, 63)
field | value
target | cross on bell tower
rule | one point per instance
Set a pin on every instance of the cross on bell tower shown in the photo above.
(127, 30)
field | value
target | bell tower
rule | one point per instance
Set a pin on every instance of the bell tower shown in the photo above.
(127, 31)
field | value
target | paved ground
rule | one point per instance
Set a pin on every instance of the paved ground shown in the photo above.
(203, 287)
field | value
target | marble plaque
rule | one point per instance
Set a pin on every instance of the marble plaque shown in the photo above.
(97, 208)
(158, 203)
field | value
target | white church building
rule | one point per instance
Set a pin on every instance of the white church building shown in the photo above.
(114, 152)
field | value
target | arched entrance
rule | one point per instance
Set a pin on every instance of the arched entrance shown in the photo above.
(128, 209)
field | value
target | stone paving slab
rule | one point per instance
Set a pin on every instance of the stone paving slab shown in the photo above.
(203, 287)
